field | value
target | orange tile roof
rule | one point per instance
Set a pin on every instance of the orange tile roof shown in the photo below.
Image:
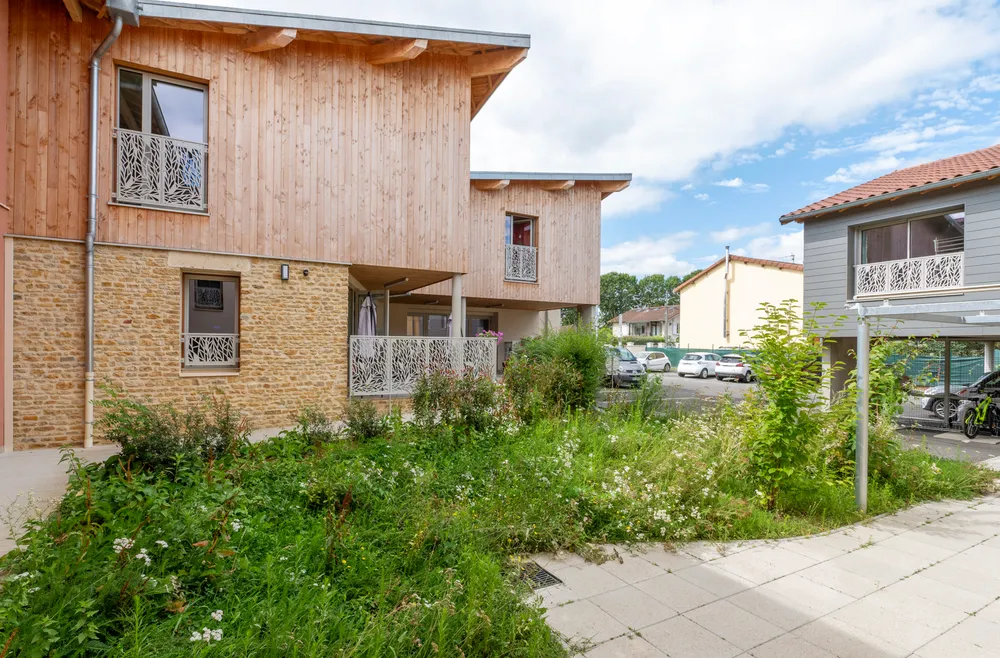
(763, 262)
(911, 178)
(651, 314)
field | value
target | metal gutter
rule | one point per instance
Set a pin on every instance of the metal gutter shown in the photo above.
(192, 12)
(545, 176)
(930, 187)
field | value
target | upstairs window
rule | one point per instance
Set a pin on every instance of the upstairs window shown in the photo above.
(521, 249)
(917, 238)
(520, 231)
(161, 141)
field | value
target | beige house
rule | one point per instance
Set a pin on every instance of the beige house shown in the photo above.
(723, 300)
(249, 179)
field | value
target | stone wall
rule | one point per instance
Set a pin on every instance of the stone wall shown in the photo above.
(293, 336)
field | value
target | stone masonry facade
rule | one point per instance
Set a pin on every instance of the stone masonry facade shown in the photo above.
(293, 336)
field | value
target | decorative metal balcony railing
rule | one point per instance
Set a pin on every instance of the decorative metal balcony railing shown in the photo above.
(910, 275)
(391, 365)
(521, 263)
(212, 350)
(154, 170)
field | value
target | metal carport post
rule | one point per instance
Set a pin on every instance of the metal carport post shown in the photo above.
(983, 313)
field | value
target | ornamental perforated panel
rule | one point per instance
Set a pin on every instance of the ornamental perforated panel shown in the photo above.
(910, 275)
(160, 171)
(391, 365)
(218, 350)
(521, 263)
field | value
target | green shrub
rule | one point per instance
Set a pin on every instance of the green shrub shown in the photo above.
(158, 437)
(363, 422)
(469, 400)
(787, 360)
(642, 340)
(580, 352)
(316, 427)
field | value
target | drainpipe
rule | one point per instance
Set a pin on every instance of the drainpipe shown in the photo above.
(725, 301)
(95, 73)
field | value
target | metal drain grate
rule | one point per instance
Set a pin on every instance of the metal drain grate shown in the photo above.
(537, 576)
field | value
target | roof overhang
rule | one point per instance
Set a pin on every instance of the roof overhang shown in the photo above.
(982, 313)
(551, 181)
(989, 174)
(490, 55)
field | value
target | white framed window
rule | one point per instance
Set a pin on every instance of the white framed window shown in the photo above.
(211, 332)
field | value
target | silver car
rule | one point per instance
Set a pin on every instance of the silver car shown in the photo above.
(622, 367)
(654, 361)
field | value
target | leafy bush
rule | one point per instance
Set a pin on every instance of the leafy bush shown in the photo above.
(546, 386)
(580, 352)
(469, 400)
(158, 437)
(363, 422)
(316, 427)
(788, 362)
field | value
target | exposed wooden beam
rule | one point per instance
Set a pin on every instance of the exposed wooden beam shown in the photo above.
(612, 186)
(488, 185)
(74, 9)
(498, 61)
(396, 51)
(268, 38)
(557, 185)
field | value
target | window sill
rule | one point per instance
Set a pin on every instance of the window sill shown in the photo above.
(935, 292)
(530, 283)
(199, 213)
(214, 372)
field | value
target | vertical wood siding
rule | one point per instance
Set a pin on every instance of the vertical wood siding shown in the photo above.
(568, 239)
(313, 153)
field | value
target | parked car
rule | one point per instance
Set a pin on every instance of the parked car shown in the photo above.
(698, 364)
(654, 361)
(621, 366)
(933, 400)
(733, 366)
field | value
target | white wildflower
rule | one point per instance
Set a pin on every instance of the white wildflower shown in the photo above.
(235, 525)
(217, 615)
(122, 544)
(144, 556)
(162, 544)
(195, 636)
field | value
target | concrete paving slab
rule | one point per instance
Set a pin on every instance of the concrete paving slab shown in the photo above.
(583, 623)
(868, 591)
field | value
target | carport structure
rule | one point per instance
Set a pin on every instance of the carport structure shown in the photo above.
(985, 313)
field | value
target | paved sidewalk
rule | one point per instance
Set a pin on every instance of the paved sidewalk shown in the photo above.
(924, 582)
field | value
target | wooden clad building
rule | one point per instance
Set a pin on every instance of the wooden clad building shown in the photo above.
(259, 173)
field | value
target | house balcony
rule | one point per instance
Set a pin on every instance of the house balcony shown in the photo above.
(910, 275)
(391, 365)
(521, 263)
(211, 350)
(159, 171)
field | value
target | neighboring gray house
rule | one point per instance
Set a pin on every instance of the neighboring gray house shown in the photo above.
(916, 251)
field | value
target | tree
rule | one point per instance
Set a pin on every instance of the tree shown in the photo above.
(618, 294)
(570, 315)
(653, 290)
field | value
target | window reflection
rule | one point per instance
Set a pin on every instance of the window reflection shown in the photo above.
(177, 111)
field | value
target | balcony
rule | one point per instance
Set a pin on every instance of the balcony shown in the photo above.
(910, 275)
(211, 350)
(154, 170)
(391, 365)
(521, 263)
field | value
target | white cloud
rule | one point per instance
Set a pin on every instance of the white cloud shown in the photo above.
(649, 256)
(701, 196)
(758, 187)
(634, 198)
(740, 184)
(785, 149)
(688, 187)
(696, 81)
(782, 246)
(730, 182)
(734, 233)
(865, 170)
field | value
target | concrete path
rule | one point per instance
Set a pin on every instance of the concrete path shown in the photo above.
(924, 582)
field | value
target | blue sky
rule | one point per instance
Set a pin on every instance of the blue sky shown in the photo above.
(728, 113)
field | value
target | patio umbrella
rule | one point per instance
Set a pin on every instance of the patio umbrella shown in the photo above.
(367, 317)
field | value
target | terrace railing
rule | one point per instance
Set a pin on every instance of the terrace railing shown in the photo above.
(521, 263)
(909, 275)
(154, 170)
(211, 350)
(391, 365)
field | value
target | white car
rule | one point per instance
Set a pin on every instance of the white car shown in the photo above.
(654, 361)
(698, 364)
(733, 366)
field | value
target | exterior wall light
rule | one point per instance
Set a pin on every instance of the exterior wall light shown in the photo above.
(284, 271)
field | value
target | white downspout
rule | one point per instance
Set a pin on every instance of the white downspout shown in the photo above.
(725, 301)
(95, 74)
